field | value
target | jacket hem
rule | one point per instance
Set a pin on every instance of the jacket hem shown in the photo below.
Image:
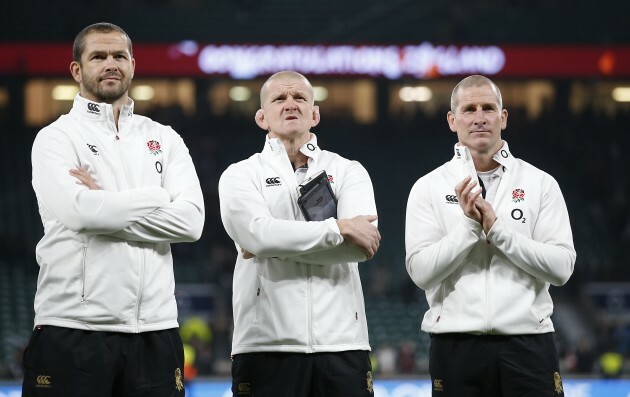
(299, 349)
(520, 331)
(124, 328)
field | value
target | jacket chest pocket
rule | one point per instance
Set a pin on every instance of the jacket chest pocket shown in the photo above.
(520, 218)
(154, 170)
(139, 165)
(280, 201)
(153, 164)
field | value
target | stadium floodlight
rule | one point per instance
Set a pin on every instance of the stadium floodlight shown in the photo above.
(142, 93)
(64, 92)
(621, 94)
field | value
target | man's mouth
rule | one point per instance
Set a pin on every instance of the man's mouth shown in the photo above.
(110, 78)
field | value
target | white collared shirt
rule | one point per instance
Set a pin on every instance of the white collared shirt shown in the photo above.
(491, 180)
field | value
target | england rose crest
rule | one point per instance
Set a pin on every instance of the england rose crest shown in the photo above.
(154, 147)
(518, 195)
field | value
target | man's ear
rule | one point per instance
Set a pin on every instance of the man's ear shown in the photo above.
(260, 120)
(75, 71)
(316, 116)
(450, 118)
(504, 117)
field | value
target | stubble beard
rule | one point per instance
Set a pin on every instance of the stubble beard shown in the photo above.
(102, 94)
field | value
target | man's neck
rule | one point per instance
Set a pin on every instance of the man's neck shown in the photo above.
(484, 162)
(116, 105)
(292, 146)
(296, 157)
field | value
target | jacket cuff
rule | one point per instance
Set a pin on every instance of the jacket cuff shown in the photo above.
(495, 231)
(332, 225)
(471, 224)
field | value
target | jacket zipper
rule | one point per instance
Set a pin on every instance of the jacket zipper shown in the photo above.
(288, 174)
(496, 203)
(488, 308)
(120, 153)
(257, 301)
(310, 310)
(442, 305)
(136, 319)
(85, 247)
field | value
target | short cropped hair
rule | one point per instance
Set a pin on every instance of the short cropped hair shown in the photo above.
(475, 80)
(100, 27)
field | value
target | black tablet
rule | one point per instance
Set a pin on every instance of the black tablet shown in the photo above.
(316, 198)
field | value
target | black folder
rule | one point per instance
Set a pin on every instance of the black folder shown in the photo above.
(316, 198)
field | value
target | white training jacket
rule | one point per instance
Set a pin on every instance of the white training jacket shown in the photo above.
(495, 284)
(301, 293)
(105, 259)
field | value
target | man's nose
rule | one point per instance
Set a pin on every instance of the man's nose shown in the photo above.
(290, 103)
(110, 64)
(480, 117)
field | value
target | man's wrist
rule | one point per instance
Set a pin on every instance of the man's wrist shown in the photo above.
(335, 225)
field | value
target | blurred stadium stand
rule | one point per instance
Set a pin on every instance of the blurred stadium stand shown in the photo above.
(326, 21)
(395, 153)
(584, 149)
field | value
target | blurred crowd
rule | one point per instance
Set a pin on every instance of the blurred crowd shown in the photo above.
(584, 151)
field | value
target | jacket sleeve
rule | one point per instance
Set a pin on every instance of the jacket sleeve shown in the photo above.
(433, 253)
(355, 197)
(76, 207)
(248, 221)
(182, 219)
(549, 255)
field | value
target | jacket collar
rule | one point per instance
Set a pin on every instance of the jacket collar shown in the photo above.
(86, 109)
(503, 156)
(274, 147)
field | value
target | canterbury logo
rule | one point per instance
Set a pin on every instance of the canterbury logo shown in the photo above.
(557, 380)
(275, 181)
(244, 389)
(93, 108)
(179, 384)
(43, 381)
(451, 199)
(93, 149)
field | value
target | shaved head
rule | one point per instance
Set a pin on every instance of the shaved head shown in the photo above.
(285, 75)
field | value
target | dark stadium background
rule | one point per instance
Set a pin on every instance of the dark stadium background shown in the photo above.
(568, 125)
